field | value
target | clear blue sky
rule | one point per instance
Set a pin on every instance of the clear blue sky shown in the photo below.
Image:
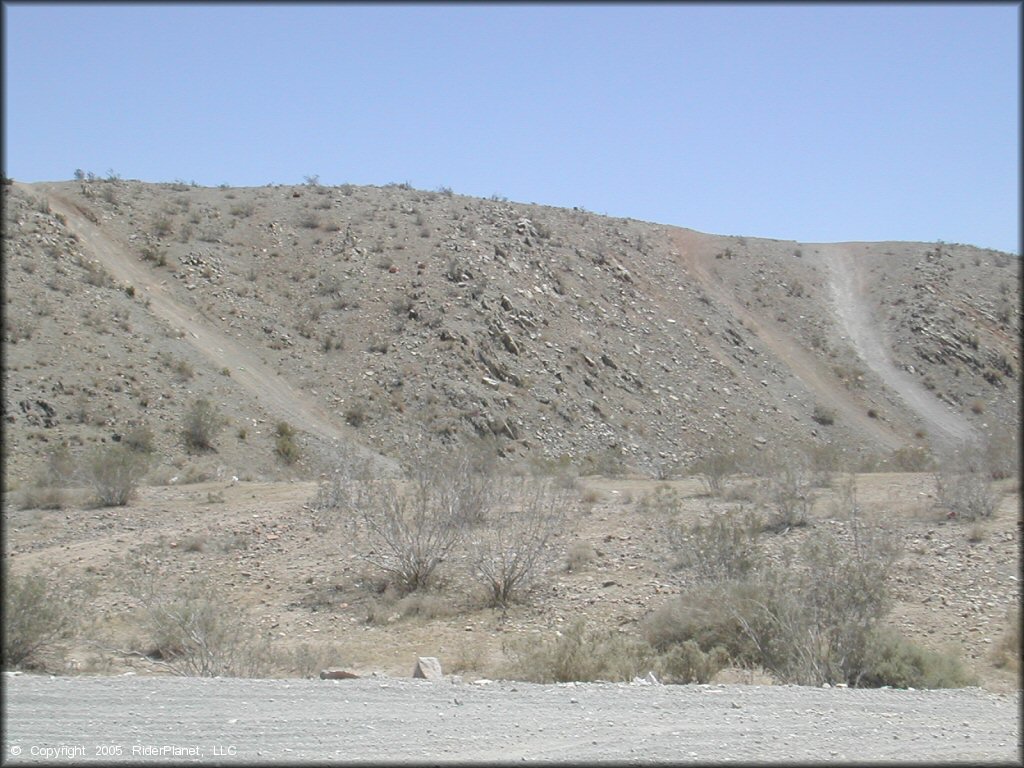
(804, 122)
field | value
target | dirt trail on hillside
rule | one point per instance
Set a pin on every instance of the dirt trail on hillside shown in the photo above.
(847, 284)
(829, 390)
(272, 390)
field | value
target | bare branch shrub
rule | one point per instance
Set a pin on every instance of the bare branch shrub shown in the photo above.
(716, 465)
(963, 484)
(513, 542)
(413, 525)
(196, 631)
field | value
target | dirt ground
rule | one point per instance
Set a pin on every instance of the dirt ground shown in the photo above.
(383, 720)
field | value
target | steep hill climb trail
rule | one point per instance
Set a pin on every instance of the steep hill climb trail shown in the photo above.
(272, 390)
(846, 282)
(825, 387)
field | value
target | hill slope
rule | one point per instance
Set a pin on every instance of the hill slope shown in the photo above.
(391, 318)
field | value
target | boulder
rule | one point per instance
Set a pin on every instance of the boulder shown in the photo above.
(427, 668)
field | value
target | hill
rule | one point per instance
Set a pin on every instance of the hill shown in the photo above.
(392, 318)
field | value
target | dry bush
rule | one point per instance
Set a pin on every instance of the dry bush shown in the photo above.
(788, 481)
(46, 488)
(203, 421)
(413, 526)
(1006, 652)
(892, 660)
(687, 663)
(716, 465)
(37, 614)
(196, 630)
(284, 443)
(963, 484)
(726, 548)
(512, 543)
(577, 654)
(114, 472)
(808, 619)
(580, 553)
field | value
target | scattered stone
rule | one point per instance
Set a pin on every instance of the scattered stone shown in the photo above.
(337, 674)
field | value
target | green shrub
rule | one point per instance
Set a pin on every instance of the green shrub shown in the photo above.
(892, 660)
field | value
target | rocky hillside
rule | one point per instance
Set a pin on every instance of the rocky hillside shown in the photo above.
(392, 318)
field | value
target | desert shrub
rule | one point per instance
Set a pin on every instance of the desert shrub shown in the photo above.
(579, 554)
(413, 526)
(139, 437)
(965, 492)
(578, 654)
(46, 488)
(356, 415)
(284, 443)
(512, 543)
(808, 620)
(1006, 651)
(788, 483)
(114, 472)
(890, 659)
(710, 616)
(728, 547)
(197, 631)
(824, 416)
(37, 614)
(715, 466)
(687, 663)
(1001, 451)
(911, 458)
(202, 423)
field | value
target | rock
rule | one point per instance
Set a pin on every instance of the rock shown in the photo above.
(337, 674)
(427, 668)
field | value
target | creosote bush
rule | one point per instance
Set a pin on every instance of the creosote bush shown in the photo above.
(203, 421)
(36, 615)
(114, 472)
(284, 443)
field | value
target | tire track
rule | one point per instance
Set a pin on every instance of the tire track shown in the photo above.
(268, 387)
(801, 364)
(944, 426)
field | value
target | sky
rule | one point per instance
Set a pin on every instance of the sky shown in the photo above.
(816, 123)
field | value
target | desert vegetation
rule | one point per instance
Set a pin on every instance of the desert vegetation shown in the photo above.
(589, 461)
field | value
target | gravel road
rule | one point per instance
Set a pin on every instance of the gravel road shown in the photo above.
(160, 719)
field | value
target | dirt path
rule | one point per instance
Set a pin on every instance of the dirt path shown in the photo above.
(271, 389)
(384, 720)
(846, 281)
(829, 390)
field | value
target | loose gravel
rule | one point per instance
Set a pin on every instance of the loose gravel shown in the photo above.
(59, 720)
